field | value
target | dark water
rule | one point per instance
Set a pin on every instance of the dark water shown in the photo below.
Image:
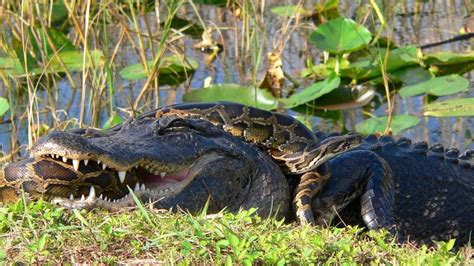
(409, 22)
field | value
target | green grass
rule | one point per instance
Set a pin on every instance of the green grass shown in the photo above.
(40, 233)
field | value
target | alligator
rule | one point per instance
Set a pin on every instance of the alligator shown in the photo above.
(234, 156)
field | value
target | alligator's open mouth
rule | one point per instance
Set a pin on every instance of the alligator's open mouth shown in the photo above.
(144, 178)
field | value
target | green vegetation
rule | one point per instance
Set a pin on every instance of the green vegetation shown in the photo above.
(66, 64)
(41, 233)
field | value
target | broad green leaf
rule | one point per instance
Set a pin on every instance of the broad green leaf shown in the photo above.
(444, 63)
(331, 4)
(60, 41)
(26, 60)
(412, 75)
(370, 66)
(214, 2)
(312, 92)
(452, 107)
(186, 27)
(113, 120)
(73, 61)
(379, 124)
(59, 13)
(445, 58)
(172, 70)
(4, 106)
(439, 86)
(232, 92)
(340, 35)
(11, 66)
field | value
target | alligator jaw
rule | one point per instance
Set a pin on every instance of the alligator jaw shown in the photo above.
(154, 186)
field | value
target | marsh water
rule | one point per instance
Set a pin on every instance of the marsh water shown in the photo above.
(409, 22)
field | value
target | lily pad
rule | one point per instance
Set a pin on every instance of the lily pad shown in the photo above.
(379, 124)
(252, 96)
(58, 39)
(369, 66)
(186, 26)
(4, 106)
(312, 92)
(72, 61)
(289, 10)
(412, 75)
(172, 70)
(452, 107)
(340, 35)
(444, 63)
(446, 58)
(113, 120)
(440, 86)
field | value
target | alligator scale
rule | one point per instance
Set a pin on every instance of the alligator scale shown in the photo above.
(235, 156)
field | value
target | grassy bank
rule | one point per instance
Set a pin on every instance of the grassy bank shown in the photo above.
(41, 233)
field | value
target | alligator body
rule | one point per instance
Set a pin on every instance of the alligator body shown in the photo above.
(417, 192)
(187, 154)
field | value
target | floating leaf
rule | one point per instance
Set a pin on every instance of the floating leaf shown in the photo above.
(412, 75)
(452, 107)
(444, 63)
(113, 120)
(379, 124)
(48, 36)
(185, 26)
(73, 61)
(444, 85)
(340, 35)
(312, 92)
(59, 12)
(172, 70)
(4, 106)
(369, 66)
(289, 10)
(446, 58)
(232, 92)
(11, 66)
(214, 2)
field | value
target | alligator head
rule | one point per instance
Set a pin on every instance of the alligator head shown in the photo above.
(170, 161)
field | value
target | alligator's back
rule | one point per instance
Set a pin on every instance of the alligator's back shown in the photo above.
(433, 189)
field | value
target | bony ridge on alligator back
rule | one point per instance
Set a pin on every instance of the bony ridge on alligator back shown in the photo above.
(288, 142)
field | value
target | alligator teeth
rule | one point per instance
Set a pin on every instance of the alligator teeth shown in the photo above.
(106, 199)
(71, 197)
(101, 197)
(65, 159)
(98, 161)
(121, 176)
(104, 166)
(163, 174)
(83, 197)
(91, 193)
(75, 164)
(142, 187)
(86, 161)
(137, 187)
